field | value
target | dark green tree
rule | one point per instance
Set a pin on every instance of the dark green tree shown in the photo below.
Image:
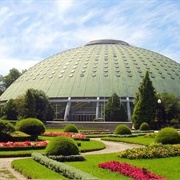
(145, 104)
(29, 105)
(9, 110)
(170, 106)
(114, 110)
(40, 107)
(11, 77)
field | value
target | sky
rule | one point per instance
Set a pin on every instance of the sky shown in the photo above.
(33, 30)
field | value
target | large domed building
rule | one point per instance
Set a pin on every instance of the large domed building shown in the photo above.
(79, 81)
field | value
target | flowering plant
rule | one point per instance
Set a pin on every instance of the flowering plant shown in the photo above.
(73, 135)
(131, 171)
(150, 152)
(23, 144)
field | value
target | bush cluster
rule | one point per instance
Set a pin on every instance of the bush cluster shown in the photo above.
(71, 128)
(31, 126)
(62, 145)
(168, 135)
(64, 169)
(159, 151)
(122, 129)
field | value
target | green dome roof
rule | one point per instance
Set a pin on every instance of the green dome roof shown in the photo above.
(98, 69)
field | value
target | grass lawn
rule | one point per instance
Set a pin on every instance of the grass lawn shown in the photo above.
(34, 170)
(135, 140)
(166, 167)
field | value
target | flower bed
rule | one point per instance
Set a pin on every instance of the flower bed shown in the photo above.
(150, 152)
(131, 171)
(23, 144)
(73, 135)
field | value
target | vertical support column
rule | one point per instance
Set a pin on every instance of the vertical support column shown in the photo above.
(128, 109)
(67, 110)
(97, 108)
(56, 111)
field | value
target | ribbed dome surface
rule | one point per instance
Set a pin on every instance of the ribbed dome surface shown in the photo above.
(98, 69)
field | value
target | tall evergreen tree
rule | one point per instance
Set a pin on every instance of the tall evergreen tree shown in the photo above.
(114, 110)
(30, 105)
(146, 103)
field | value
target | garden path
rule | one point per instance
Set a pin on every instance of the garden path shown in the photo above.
(7, 172)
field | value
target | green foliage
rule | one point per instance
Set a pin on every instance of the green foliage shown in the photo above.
(69, 158)
(175, 123)
(170, 105)
(9, 110)
(6, 127)
(144, 126)
(30, 126)
(114, 110)
(29, 105)
(39, 104)
(34, 170)
(145, 105)
(168, 135)
(62, 145)
(122, 129)
(71, 128)
(62, 168)
(150, 152)
(11, 77)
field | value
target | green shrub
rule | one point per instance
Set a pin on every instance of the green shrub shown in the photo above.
(6, 127)
(31, 126)
(168, 135)
(62, 145)
(122, 129)
(62, 168)
(71, 128)
(144, 126)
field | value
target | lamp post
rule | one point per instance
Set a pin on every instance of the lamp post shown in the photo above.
(159, 113)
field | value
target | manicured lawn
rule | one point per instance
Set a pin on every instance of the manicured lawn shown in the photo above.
(166, 167)
(33, 170)
(135, 140)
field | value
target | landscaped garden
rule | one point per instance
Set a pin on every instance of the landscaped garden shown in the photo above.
(57, 153)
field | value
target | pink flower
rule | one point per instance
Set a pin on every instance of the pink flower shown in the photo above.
(131, 171)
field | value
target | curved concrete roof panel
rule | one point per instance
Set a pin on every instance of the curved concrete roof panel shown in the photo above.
(98, 69)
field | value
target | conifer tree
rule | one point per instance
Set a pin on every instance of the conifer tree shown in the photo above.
(114, 110)
(146, 102)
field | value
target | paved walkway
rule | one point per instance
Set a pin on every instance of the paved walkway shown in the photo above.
(7, 172)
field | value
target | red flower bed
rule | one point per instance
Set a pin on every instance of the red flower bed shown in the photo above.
(23, 144)
(73, 135)
(131, 171)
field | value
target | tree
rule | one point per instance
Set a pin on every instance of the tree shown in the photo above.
(30, 105)
(38, 105)
(11, 77)
(114, 110)
(145, 104)
(170, 105)
(9, 110)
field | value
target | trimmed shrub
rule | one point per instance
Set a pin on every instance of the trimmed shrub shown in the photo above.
(6, 127)
(71, 128)
(62, 145)
(122, 129)
(31, 126)
(168, 135)
(144, 126)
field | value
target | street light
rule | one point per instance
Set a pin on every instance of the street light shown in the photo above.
(159, 113)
